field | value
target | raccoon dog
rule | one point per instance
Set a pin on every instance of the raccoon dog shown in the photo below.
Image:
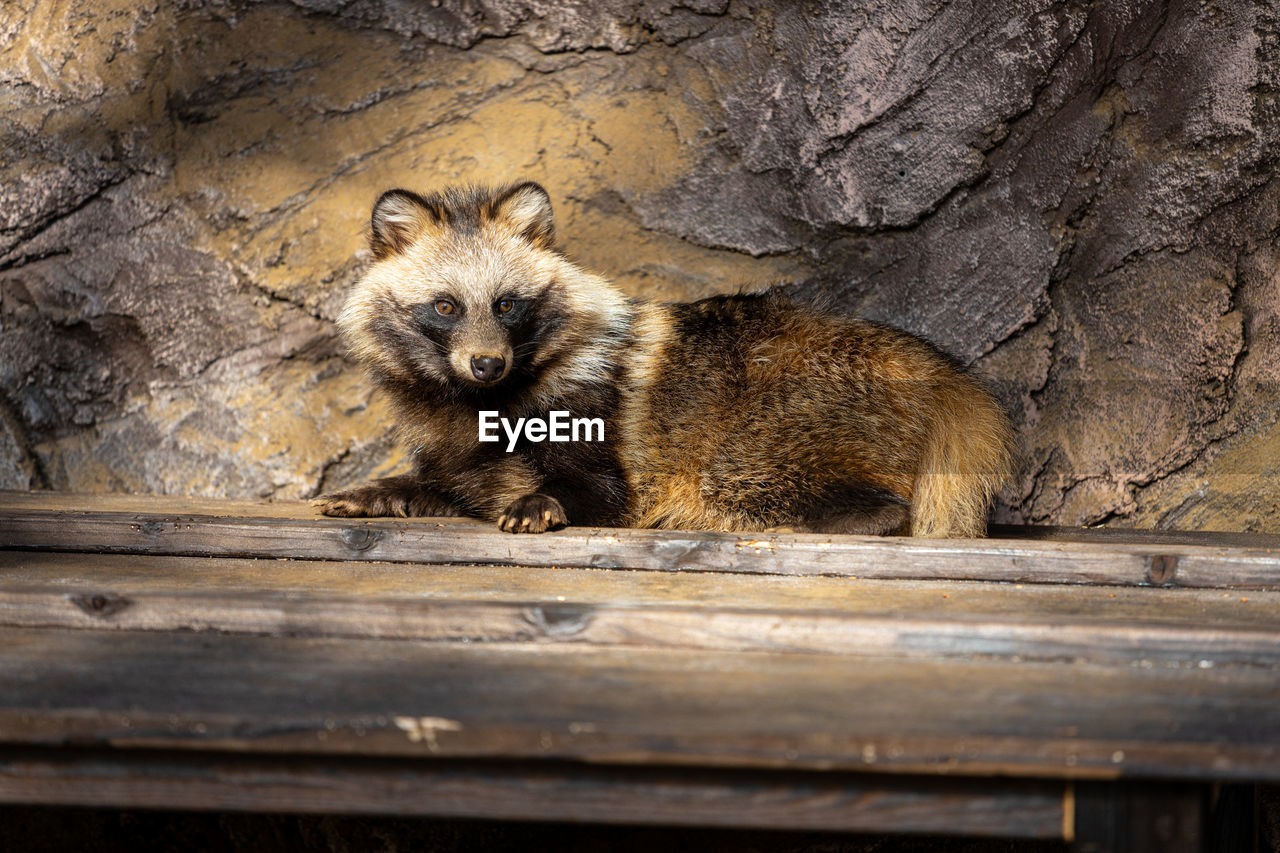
(745, 412)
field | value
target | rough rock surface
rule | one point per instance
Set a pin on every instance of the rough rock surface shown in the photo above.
(1080, 199)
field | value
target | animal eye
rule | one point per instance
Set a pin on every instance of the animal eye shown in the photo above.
(505, 305)
(445, 307)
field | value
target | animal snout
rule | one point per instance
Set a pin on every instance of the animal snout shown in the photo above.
(487, 368)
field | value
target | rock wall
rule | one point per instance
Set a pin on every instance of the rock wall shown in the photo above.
(1079, 199)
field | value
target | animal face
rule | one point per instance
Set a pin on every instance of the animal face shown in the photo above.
(464, 288)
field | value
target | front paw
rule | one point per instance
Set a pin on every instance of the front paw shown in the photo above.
(353, 503)
(533, 513)
(393, 496)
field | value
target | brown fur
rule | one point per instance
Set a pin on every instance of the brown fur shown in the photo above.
(744, 412)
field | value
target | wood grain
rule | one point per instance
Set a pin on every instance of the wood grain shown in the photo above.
(177, 653)
(497, 604)
(188, 527)
(551, 791)
(125, 573)
(635, 706)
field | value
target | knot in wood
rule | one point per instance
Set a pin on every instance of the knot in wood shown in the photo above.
(559, 620)
(101, 605)
(360, 538)
(1161, 569)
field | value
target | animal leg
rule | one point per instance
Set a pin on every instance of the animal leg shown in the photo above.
(405, 496)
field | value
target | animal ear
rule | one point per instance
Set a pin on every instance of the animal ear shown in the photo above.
(399, 216)
(527, 208)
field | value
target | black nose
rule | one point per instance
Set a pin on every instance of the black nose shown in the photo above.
(488, 367)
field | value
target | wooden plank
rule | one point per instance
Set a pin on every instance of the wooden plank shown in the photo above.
(232, 508)
(605, 626)
(552, 791)
(1129, 536)
(123, 574)
(1138, 627)
(205, 529)
(153, 504)
(636, 706)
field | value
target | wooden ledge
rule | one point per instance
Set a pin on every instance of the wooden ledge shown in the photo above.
(184, 526)
(549, 791)
(154, 651)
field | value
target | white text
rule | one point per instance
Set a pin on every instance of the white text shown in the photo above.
(558, 426)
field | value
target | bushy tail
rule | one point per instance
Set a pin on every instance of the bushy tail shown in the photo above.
(968, 458)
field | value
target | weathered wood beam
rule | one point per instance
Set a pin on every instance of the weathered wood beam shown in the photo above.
(497, 604)
(635, 706)
(551, 791)
(208, 528)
